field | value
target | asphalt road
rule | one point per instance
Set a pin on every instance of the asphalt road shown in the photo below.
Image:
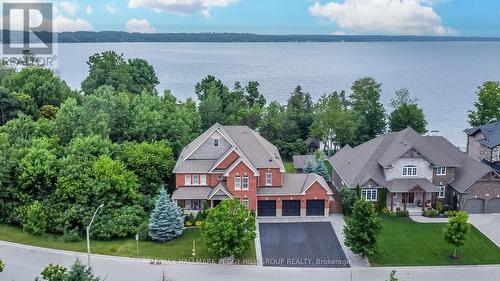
(24, 263)
(308, 244)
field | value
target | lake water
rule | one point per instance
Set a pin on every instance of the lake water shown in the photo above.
(442, 75)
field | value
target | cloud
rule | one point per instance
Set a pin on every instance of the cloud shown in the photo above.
(184, 7)
(139, 25)
(415, 17)
(68, 7)
(62, 24)
(110, 8)
(89, 9)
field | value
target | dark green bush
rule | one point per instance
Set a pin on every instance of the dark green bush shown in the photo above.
(430, 213)
(73, 235)
(402, 213)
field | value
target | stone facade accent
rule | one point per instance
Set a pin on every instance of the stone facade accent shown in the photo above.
(483, 189)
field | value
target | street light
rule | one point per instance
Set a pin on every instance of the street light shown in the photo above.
(88, 233)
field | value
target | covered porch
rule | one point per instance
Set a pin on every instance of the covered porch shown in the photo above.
(193, 199)
(413, 195)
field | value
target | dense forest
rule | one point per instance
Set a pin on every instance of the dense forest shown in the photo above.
(115, 142)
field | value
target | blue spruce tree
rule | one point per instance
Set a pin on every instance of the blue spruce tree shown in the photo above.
(166, 221)
(321, 170)
(309, 168)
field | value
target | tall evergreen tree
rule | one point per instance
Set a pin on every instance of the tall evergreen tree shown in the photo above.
(166, 221)
(362, 228)
(321, 170)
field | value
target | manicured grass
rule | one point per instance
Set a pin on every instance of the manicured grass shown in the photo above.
(289, 168)
(177, 249)
(404, 242)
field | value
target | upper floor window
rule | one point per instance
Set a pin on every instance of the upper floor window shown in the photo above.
(269, 179)
(196, 180)
(441, 189)
(441, 171)
(245, 183)
(410, 170)
(187, 180)
(237, 183)
(203, 179)
(369, 194)
(216, 142)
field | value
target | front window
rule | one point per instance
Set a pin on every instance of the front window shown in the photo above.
(216, 142)
(441, 190)
(203, 179)
(196, 180)
(245, 202)
(245, 183)
(410, 170)
(369, 194)
(269, 179)
(187, 180)
(237, 183)
(441, 171)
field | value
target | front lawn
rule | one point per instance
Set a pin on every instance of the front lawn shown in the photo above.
(177, 249)
(404, 242)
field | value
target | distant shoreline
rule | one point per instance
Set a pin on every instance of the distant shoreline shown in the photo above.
(126, 37)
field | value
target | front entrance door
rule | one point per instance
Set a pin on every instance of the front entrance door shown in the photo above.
(411, 198)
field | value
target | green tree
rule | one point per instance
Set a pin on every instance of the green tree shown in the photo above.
(8, 106)
(80, 272)
(143, 76)
(35, 222)
(166, 221)
(54, 272)
(211, 110)
(41, 84)
(228, 229)
(2, 266)
(272, 126)
(365, 100)
(349, 197)
(487, 105)
(362, 228)
(456, 231)
(321, 169)
(309, 168)
(406, 113)
(299, 115)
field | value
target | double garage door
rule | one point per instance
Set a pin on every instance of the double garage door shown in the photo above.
(477, 206)
(267, 208)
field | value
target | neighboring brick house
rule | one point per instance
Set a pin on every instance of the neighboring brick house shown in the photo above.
(416, 171)
(483, 144)
(236, 162)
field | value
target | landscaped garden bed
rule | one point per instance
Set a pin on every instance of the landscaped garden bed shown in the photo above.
(403, 242)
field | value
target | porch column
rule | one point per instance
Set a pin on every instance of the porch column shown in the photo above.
(392, 201)
(406, 199)
(211, 204)
(423, 199)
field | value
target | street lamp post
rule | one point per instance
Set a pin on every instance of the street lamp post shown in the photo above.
(88, 233)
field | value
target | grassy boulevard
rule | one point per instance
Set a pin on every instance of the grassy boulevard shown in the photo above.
(404, 242)
(178, 249)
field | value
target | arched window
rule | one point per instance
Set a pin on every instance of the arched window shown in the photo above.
(409, 170)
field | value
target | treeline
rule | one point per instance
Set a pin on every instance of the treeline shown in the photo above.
(64, 152)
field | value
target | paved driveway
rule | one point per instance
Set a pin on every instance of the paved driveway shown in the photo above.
(306, 244)
(488, 224)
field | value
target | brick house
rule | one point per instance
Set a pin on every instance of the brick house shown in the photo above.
(236, 162)
(415, 172)
(483, 144)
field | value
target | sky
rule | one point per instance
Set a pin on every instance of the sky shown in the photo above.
(388, 17)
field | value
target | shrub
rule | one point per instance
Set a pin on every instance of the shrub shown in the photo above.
(402, 213)
(143, 231)
(35, 222)
(349, 197)
(199, 216)
(430, 213)
(385, 211)
(2, 265)
(198, 223)
(191, 218)
(54, 272)
(189, 224)
(72, 235)
(362, 228)
(382, 200)
(439, 207)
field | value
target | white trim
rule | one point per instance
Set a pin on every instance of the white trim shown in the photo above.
(203, 180)
(223, 157)
(441, 188)
(371, 189)
(185, 180)
(328, 192)
(237, 162)
(223, 190)
(407, 167)
(239, 183)
(208, 136)
(270, 178)
(243, 183)
(198, 180)
(439, 171)
(245, 200)
(215, 140)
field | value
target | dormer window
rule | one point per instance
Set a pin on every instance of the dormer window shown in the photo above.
(216, 142)
(409, 170)
(441, 171)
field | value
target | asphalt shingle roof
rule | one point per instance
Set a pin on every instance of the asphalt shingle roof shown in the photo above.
(300, 161)
(294, 184)
(191, 192)
(367, 161)
(490, 131)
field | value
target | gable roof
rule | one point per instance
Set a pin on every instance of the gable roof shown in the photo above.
(250, 145)
(367, 161)
(295, 184)
(490, 131)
